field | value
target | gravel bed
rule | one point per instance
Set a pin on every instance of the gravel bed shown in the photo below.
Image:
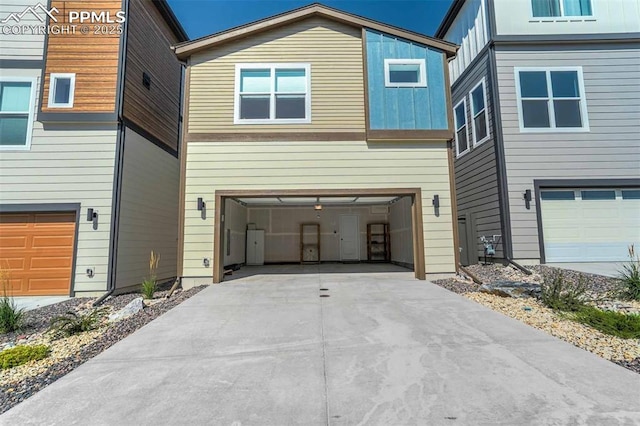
(14, 391)
(601, 291)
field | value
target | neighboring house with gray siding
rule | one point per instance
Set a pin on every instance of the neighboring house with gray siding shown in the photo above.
(545, 97)
(89, 143)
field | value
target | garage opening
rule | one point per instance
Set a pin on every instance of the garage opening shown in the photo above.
(343, 231)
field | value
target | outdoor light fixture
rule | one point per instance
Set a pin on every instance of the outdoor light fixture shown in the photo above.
(201, 204)
(527, 199)
(318, 207)
(436, 204)
(92, 216)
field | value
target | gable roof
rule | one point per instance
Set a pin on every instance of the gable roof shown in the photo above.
(448, 19)
(186, 49)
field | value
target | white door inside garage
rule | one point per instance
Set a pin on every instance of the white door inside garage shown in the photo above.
(590, 224)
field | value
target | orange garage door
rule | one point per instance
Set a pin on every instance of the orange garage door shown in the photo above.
(37, 249)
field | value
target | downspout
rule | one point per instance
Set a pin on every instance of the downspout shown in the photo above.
(119, 162)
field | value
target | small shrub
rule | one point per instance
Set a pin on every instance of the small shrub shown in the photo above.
(630, 276)
(562, 295)
(73, 323)
(626, 326)
(149, 285)
(11, 317)
(22, 354)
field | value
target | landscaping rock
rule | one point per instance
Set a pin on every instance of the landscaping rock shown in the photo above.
(511, 289)
(133, 307)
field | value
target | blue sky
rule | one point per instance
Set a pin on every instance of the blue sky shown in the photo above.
(203, 17)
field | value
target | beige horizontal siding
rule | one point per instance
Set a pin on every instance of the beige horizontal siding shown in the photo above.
(316, 165)
(21, 46)
(334, 51)
(69, 164)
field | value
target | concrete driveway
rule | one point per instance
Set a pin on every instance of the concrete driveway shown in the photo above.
(383, 349)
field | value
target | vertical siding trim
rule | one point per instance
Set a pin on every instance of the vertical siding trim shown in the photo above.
(45, 50)
(218, 252)
(447, 88)
(122, 62)
(503, 189)
(454, 204)
(365, 79)
(182, 154)
(492, 20)
(418, 239)
(115, 209)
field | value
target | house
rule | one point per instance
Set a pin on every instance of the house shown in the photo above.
(545, 98)
(316, 136)
(90, 126)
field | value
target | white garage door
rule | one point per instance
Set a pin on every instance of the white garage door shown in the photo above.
(590, 225)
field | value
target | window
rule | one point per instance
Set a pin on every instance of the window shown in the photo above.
(405, 73)
(61, 90)
(462, 141)
(479, 118)
(551, 99)
(598, 195)
(17, 98)
(631, 194)
(272, 93)
(557, 195)
(556, 8)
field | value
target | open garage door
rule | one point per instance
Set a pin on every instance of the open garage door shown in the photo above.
(589, 225)
(318, 227)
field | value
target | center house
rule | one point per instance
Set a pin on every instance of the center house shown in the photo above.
(316, 136)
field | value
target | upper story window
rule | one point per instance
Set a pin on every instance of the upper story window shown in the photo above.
(17, 98)
(61, 90)
(272, 93)
(480, 118)
(462, 139)
(551, 99)
(556, 8)
(405, 73)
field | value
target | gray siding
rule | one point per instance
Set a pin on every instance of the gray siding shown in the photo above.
(25, 45)
(475, 171)
(611, 149)
(148, 211)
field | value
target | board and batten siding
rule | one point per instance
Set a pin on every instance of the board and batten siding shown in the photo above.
(148, 211)
(334, 51)
(316, 165)
(68, 164)
(515, 17)
(92, 57)
(469, 31)
(157, 109)
(609, 150)
(27, 45)
(475, 171)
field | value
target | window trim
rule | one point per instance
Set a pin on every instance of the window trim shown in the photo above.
(30, 113)
(52, 86)
(422, 64)
(550, 107)
(273, 67)
(474, 114)
(562, 14)
(463, 101)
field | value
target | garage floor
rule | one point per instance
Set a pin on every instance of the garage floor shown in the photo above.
(383, 349)
(323, 268)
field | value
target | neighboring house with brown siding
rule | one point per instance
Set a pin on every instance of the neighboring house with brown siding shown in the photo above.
(545, 97)
(316, 136)
(90, 129)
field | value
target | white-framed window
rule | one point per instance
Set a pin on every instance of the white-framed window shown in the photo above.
(558, 8)
(273, 93)
(462, 133)
(17, 108)
(551, 99)
(405, 73)
(61, 90)
(479, 116)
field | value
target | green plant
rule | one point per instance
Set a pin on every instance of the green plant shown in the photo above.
(72, 323)
(149, 285)
(11, 317)
(22, 354)
(630, 276)
(626, 326)
(556, 293)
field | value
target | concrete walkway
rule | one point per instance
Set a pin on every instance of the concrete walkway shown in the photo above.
(383, 349)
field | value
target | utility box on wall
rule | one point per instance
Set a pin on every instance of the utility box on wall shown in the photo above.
(255, 247)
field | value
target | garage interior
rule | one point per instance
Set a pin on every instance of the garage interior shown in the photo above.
(352, 230)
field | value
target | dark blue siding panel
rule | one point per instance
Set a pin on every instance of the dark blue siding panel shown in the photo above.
(420, 108)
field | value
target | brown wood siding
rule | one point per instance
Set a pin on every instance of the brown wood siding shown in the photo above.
(93, 58)
(157, 109)
(37, 250)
